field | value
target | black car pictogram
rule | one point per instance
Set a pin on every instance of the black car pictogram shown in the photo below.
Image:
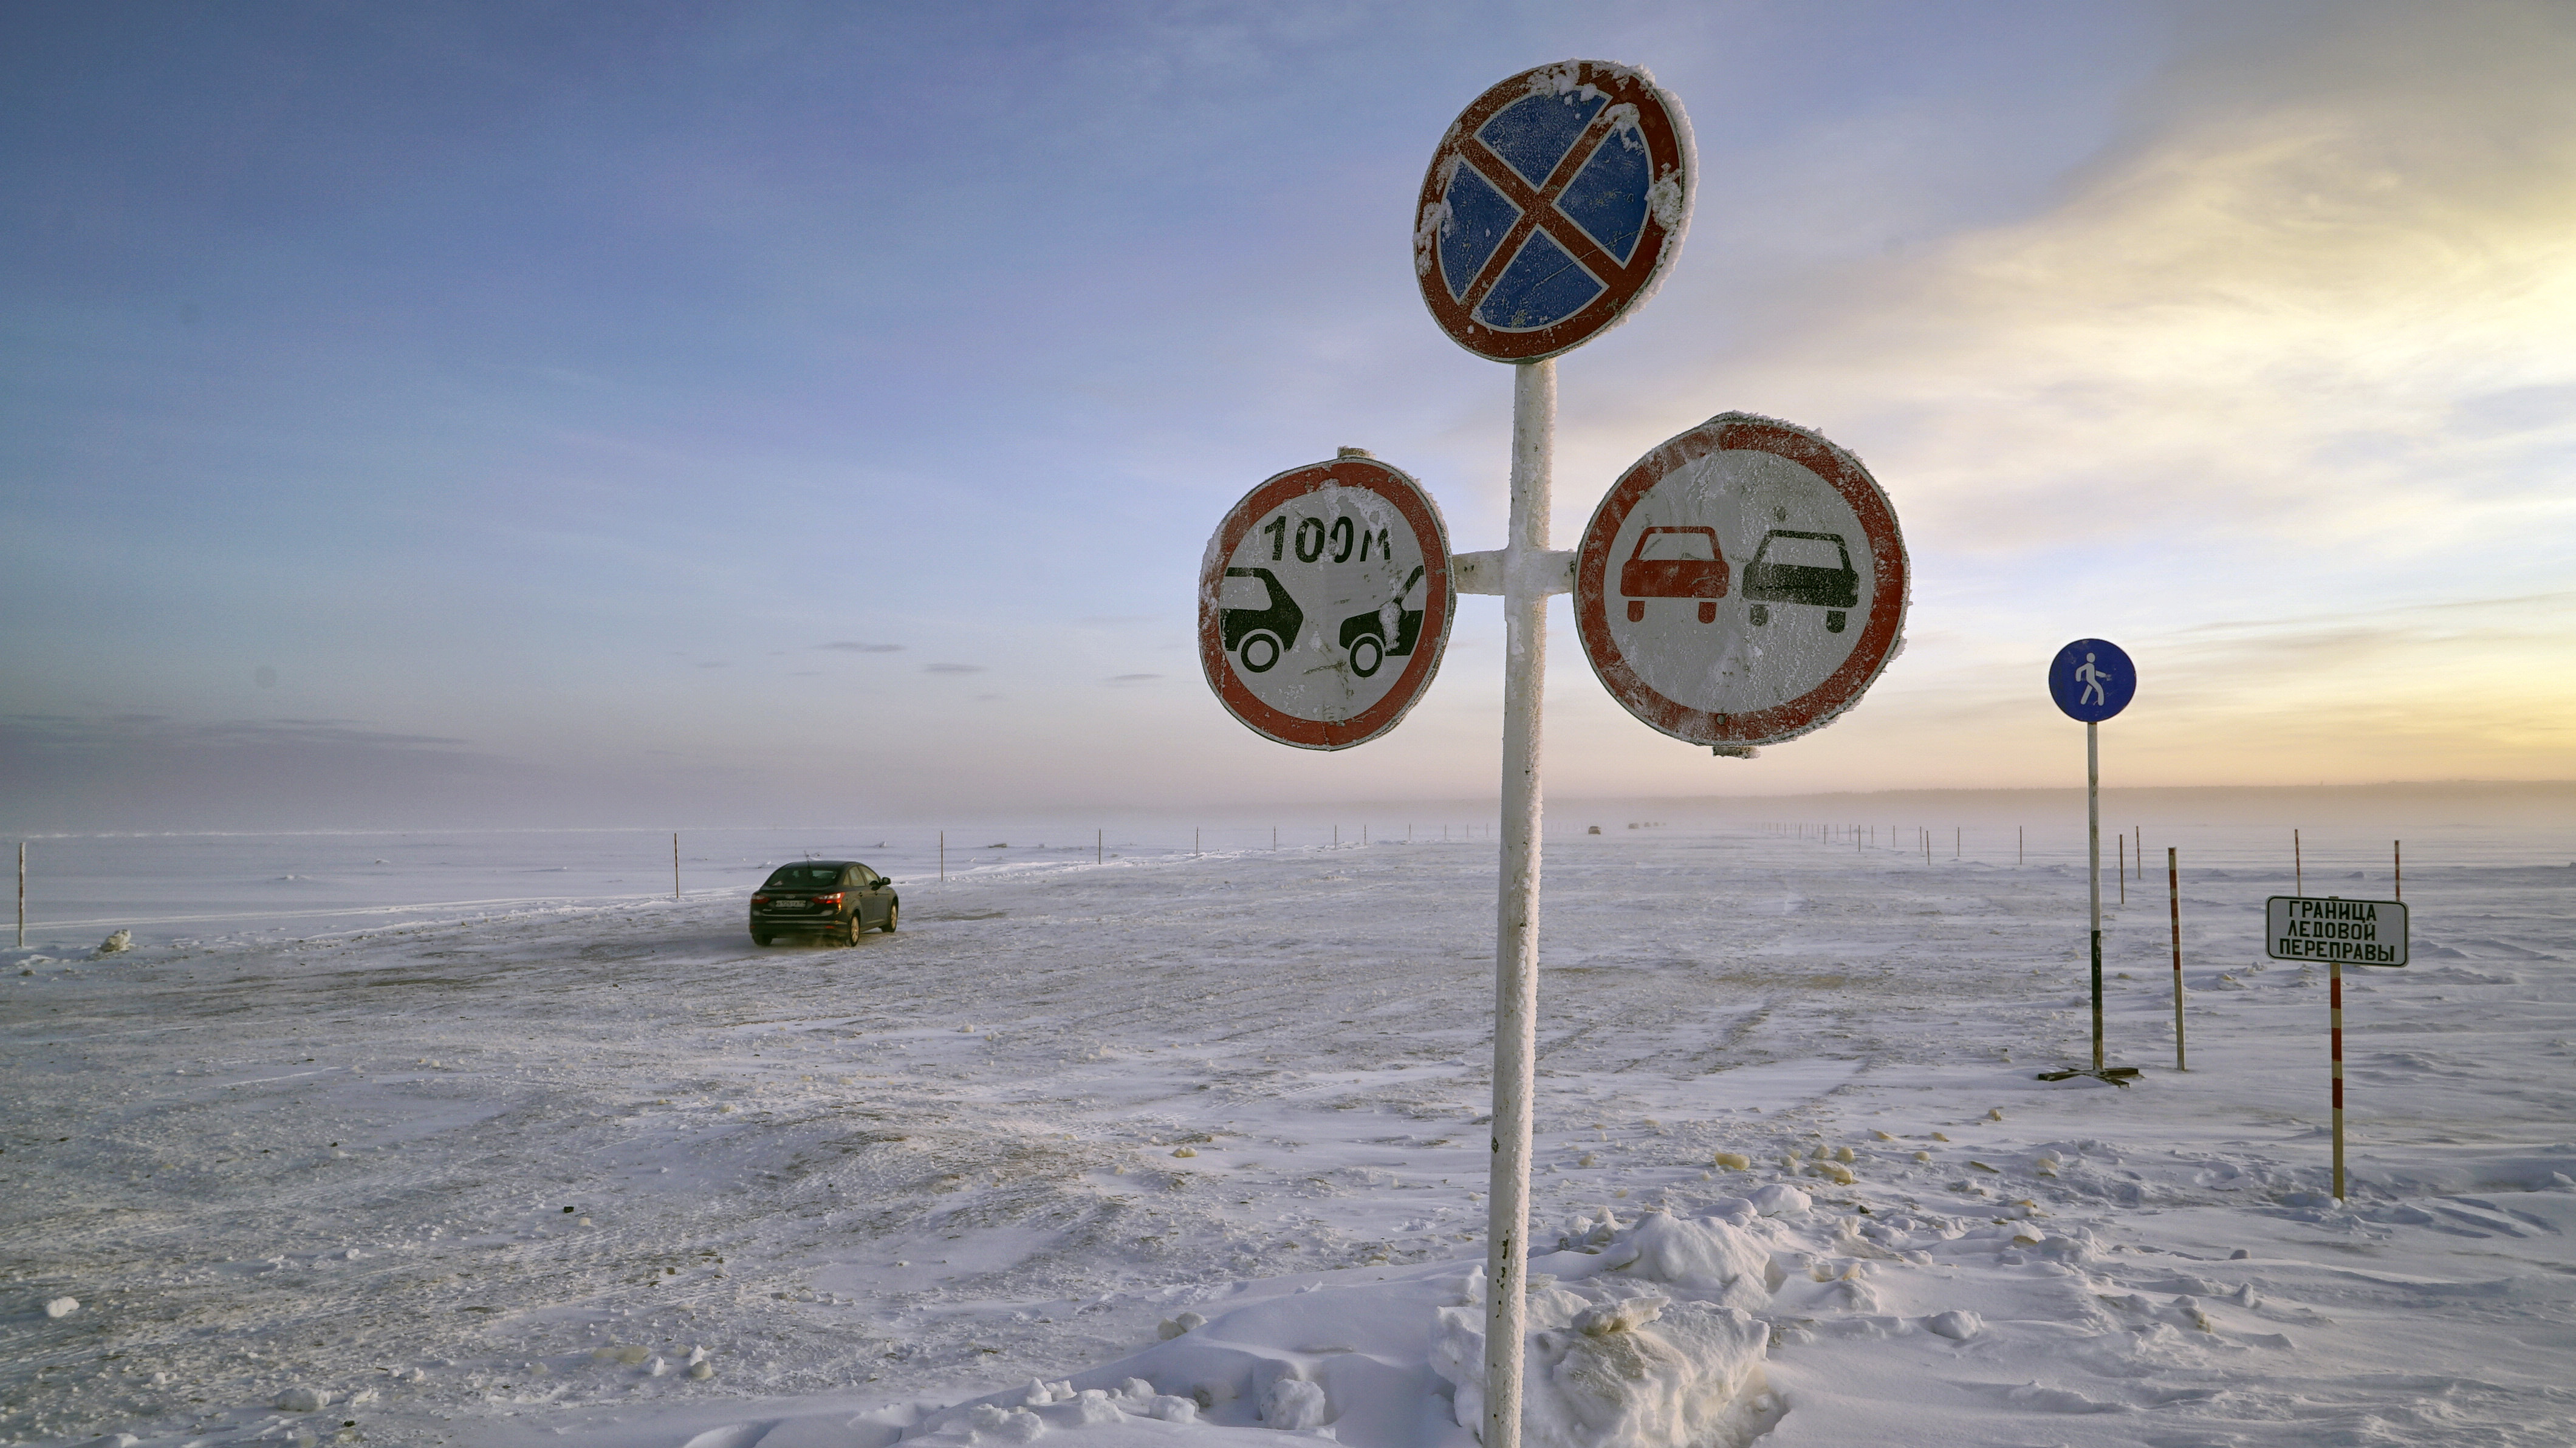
(1801, 575)
(1364, 634)
(1261, 634)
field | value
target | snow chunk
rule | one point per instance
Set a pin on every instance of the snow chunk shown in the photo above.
(1955, 1324)
(116, 941)
(1293, 1405)
(1779, 1199)
(301, 1400)
(1708, 1258)
(61, 1306)
(1607, 1366)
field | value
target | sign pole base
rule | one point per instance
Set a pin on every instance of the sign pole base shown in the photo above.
(2116, 1075)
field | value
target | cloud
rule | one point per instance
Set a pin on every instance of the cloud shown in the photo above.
(848, 647)
(75, 732)
(952, 668)
(151, 771)
(2320, 292)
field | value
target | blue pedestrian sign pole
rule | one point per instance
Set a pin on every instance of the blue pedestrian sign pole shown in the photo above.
(2092, 680)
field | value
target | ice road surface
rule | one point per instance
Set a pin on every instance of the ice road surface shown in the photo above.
(1190, 1151)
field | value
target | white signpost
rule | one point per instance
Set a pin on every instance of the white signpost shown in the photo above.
(2340, 933)
(1552, 206)
(2093, 680)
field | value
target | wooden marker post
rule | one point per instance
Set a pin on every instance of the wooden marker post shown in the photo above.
(943, 857)
(675, 867)
(2173, 894)
(2397, 858)
(2124, 869)
(2298, 866)
(22, 892)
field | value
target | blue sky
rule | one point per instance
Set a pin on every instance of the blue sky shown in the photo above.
(616, 414)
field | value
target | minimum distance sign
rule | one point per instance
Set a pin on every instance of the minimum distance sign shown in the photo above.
(1555, 202)
(1742, 584)
(1324, 603)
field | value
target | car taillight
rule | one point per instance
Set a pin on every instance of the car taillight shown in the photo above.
(759, 899)
(827, 899)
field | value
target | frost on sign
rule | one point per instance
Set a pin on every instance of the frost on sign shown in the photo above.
(1742, 584)
(1324, 603)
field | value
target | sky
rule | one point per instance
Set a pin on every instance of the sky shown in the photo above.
(526, 414)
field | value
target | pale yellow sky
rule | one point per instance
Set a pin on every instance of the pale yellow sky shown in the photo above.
(2279, 392)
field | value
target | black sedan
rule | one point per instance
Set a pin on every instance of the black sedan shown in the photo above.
(836, 899)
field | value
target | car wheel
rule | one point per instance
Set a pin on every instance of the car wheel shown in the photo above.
(1761, 614)
(1268, 644)
(893, 909)
(758, 938)
(1834, 621)
(1367, 665)
(850, 936)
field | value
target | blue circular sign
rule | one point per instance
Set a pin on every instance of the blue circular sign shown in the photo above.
(1555, 203)
(2091, 680)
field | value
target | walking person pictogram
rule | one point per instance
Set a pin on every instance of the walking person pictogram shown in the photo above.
(2092, 679)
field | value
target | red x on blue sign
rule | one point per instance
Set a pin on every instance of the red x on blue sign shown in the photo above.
(1553, 205)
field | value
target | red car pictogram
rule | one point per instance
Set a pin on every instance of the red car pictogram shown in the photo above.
(1690, 567)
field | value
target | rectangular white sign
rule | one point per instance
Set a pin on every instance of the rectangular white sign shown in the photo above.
(2346, 932)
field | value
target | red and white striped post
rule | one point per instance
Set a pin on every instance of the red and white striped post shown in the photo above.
(2334, 1033)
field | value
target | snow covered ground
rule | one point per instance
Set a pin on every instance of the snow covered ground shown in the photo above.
(596, 1170)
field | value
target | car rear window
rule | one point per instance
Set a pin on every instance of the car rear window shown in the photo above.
(1676, 548)
(1803, 552)
(804, 877)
